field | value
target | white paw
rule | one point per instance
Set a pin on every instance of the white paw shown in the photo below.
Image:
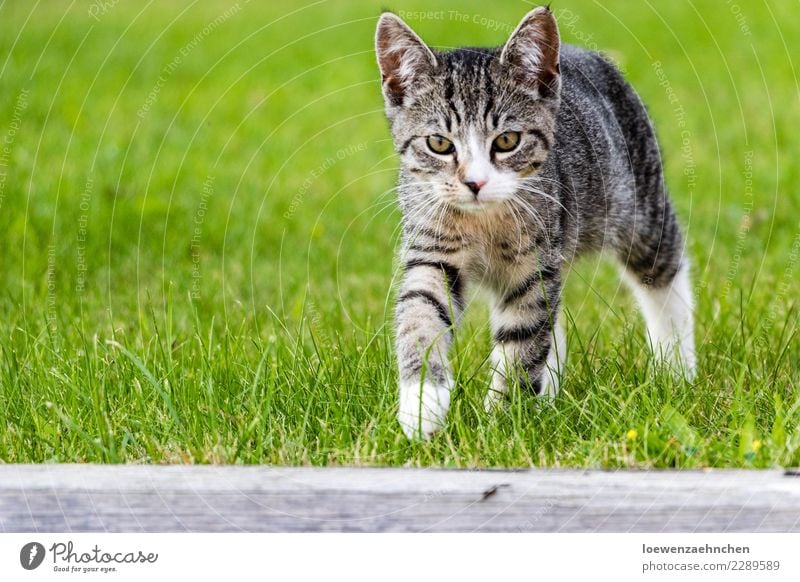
(549, 380)
(678, 357)
(497, 391)
(422, 408)
(556, 360)
(492, 400)
(668, 312)
(550, 383)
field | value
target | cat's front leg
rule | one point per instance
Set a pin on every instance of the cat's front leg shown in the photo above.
(530, 344)
(428, 305)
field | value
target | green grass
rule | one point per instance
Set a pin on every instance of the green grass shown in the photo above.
(145, 320)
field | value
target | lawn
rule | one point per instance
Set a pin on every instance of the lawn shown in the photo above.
(198, 231)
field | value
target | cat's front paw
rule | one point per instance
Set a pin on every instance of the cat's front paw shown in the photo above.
(423, 408)
(497, 392)
(550, 382)
(492, 400)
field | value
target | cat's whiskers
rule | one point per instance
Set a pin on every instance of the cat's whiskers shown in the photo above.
(378, 207)
(519, 226)
(383, 205)
(527, 187)
(531, 211)
(401, 189)
(422, 217)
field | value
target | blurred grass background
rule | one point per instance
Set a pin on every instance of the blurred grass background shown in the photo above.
(198, 234)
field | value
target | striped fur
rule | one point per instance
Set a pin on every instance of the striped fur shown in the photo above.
(585, 175)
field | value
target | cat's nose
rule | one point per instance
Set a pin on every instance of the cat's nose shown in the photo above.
(475, 186)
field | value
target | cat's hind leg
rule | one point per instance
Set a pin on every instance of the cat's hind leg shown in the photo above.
(658, 273)
(668, 314)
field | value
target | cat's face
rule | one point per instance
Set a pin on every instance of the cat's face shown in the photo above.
(471, 125)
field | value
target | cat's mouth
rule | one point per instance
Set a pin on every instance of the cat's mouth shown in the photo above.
(476, 204)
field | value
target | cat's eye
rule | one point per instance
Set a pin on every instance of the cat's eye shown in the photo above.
(506, 141)
(440, 145)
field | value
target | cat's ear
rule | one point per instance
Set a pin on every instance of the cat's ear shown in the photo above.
(402, 57)
(532, 52)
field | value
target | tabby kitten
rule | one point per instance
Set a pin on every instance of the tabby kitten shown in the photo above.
(515, 161)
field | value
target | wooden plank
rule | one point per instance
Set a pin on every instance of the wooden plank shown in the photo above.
(138, 498)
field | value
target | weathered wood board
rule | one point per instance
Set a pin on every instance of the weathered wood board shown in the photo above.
(139, 498)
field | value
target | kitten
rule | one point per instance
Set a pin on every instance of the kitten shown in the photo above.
(515, 161)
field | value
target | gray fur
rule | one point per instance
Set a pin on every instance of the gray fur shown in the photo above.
(587, 177)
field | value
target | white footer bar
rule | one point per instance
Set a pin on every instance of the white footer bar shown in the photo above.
(401, 557)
